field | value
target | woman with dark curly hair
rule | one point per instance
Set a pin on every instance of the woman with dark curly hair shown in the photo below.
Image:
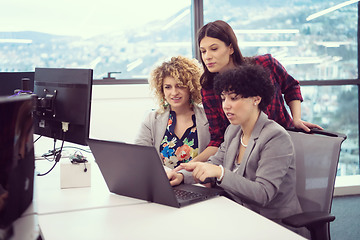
(220, 51)
(179, 129)
(255, 164)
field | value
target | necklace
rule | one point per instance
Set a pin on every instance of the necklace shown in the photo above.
(241, 141)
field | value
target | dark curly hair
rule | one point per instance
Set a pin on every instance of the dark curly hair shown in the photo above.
(248, 81)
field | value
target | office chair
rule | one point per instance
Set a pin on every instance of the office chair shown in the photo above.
(317, 156)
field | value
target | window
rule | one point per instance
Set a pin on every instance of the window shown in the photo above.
(107, 36)
(336, 108)
(309, 45)
(313, 40)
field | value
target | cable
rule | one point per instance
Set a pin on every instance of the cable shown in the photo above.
(82, 149)
(37, 138)
(51, 152)
(57, 156)
(56, 161)
(78, 158)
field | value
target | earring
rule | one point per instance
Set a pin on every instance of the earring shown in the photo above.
(255, 103)
(191, 101)
(164, 103)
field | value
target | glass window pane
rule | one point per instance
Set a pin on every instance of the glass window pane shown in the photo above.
(107, 36)
(314, 40)
(336, 108)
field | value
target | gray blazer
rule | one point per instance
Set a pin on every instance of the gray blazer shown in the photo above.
(153, 128)
(265, 180)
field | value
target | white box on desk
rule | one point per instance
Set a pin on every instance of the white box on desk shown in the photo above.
(74, 175)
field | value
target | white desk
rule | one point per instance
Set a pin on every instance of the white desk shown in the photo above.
(218, 218)
(26, 228)
(95, 213)
(50, 198)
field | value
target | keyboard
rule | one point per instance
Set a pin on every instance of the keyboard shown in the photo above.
(186, 195)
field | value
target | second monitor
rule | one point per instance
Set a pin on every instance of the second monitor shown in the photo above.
(63, 103)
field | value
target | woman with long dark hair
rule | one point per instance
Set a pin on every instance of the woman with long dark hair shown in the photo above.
(220, 51)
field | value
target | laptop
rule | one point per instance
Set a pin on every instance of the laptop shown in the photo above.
(137, 171)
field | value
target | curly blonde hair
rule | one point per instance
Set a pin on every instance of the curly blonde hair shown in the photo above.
(186, 71)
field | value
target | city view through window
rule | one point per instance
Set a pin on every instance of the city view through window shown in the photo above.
(313, 40)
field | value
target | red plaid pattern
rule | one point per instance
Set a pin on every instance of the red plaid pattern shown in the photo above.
(286, 87)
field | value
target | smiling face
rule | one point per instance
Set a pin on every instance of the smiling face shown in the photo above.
(240, 110)
(215, 54)
(176, 95)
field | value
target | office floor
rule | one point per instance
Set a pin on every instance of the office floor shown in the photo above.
(347, 223)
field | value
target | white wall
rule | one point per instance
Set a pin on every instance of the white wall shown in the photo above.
(118, 110)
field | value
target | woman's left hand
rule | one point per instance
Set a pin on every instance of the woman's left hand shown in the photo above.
(306, 126)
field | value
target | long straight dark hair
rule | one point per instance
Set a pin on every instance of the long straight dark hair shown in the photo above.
(222, 31)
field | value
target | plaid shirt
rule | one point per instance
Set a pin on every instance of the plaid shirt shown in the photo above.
(284, 84)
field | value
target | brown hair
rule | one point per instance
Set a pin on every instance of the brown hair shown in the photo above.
(222, 31)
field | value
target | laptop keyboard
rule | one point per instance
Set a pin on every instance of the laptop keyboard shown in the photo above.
(185, 195)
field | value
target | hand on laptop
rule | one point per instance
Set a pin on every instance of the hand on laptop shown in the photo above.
(202, 171)
(175, 177)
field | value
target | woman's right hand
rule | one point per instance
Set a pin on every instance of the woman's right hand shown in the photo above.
(174, 177)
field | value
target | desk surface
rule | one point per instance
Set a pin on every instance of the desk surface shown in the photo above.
(50, 198)
(95, 213)
(26, 227)
(218, 218)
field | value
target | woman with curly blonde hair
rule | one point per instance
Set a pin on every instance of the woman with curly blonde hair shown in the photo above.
(178, 129)
(186, 71)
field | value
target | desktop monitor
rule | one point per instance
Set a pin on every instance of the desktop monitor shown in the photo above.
(11, 81)
(16, 159)
(63, 103)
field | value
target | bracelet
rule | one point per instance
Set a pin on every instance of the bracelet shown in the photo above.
(222, 174)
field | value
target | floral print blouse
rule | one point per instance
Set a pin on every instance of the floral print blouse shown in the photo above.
(175, 150)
